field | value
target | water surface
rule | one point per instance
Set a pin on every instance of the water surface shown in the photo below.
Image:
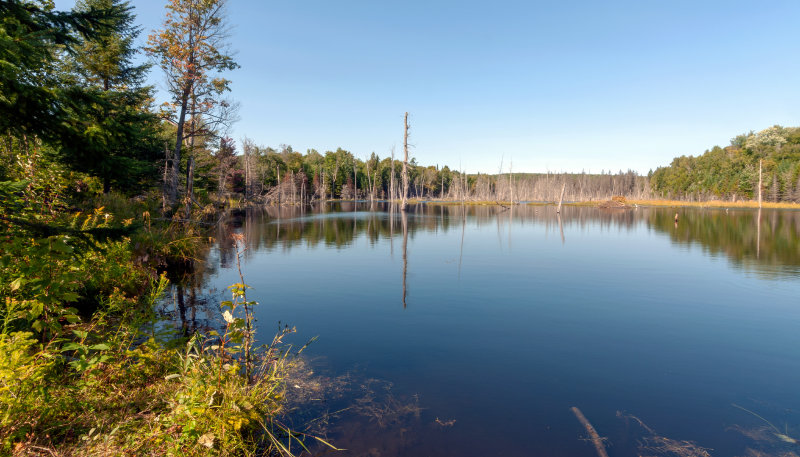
(472, 331)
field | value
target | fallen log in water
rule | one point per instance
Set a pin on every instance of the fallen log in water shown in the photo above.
(596, 440)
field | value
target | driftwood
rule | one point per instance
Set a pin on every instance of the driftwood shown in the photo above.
(596, 440)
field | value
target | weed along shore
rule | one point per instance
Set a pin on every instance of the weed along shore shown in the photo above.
(87, 364)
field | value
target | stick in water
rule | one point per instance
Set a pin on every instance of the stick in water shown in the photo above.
(596, 440)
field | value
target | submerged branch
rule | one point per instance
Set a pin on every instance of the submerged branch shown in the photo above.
(596, 440)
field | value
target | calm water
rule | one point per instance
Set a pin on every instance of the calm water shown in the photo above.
(472, 332)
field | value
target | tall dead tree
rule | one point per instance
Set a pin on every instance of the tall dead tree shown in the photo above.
(404, 204)
(759, 183)
(511, 182)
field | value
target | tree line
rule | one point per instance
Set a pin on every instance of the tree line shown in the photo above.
(75, 105)
(732, 172)
(284, 176)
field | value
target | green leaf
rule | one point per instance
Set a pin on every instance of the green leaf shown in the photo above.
(100, 347)
(71, 347)
(38, 326)
(59, 245)
(37, 308)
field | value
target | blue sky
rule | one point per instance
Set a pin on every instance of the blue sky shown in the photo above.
(558, 86)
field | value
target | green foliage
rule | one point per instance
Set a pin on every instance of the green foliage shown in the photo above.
(107, 382)
(732, 172)
(105, 60)
(117, 136)
(24, 371)
(32, 36)
(104, 389)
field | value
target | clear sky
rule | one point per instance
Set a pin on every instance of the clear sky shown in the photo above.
(558, 85)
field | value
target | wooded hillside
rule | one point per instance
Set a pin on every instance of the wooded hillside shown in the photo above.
(732, 172)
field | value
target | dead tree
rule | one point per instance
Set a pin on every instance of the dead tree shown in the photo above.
(404, 203)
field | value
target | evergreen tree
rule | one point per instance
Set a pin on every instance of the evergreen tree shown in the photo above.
(33, 95)
(119, 141)
(106, 60)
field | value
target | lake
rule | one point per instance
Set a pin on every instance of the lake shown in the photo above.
(473, 331)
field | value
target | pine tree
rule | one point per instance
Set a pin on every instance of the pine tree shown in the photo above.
(33, 93)
(120, 141)
(106, 60)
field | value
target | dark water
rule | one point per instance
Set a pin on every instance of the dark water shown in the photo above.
(472, 331)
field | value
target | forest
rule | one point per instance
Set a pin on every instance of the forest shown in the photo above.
(732, 173)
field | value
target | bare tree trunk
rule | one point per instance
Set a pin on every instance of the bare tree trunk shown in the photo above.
(369, 182)
(510, 181)
(246, 158)
(190, 171)
(167, 179)
(759, 183)
(333, 182)
(172, 194)
(561, 200)
(280, 186)
(391, 179)
(374, 183)
(404, 204)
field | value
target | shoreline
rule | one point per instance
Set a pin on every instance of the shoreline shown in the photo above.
(750, 204)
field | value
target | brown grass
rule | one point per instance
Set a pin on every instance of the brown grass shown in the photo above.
(715, 204)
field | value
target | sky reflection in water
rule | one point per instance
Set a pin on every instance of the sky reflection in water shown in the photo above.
(511, 317)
